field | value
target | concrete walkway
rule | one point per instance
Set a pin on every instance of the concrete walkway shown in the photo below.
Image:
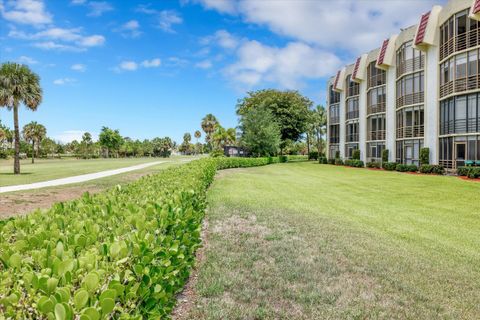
(77, 179)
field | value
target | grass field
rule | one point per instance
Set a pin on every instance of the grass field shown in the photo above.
(44, 170)
(309, 241)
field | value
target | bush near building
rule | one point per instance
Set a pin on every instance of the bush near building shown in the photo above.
(373, 165)
(389, 166)
(424, 156)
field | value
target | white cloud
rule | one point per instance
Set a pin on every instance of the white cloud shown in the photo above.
(60, 39)
(357, 26)
(176, 62)
(98, 8)
(63, 81)
(128, 65)
(222, 38)
(154, 63)
(27, 60)
(78, 2)
(70, 135)
(223, 6)
(130, 29)
(205, 64)
(79, 67)
(30, 12)
(166, 19)
(288, 66)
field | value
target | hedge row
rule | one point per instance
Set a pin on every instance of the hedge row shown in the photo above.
(471, 172)
(120, 254)
(390, 166)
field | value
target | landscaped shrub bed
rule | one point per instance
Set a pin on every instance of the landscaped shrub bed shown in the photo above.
(431, 169)
(119, 254)
(373, 165)
(354, 163)
(406, 168)
(389, 166)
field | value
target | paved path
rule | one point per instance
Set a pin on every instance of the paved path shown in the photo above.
(77, 179)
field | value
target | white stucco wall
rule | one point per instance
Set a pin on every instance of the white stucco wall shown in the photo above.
(342, 125)
(362, 106)
(390, 108)
(431, 102)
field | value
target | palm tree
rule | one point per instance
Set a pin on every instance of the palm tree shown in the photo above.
(222, 137)
(34, 132)
(209, 123)
(197, 135)
(18, 84)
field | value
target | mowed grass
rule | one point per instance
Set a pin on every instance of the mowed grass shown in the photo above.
(48, 169)
(310, 241)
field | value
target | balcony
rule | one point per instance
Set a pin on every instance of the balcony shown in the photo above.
(353, 90)
(459, 42)
(335, 120)
(410, 65)
(352, 114)
(377, 80)
(376, 135)
(334, 139)
(376, 108)
(460, 85)
(410, 132)
(412, 98)
(352, 137)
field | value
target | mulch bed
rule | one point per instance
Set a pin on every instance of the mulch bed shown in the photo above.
(469, 179)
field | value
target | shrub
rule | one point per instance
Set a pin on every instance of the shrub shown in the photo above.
(354, 163)
(424, 156)
(437, 169)
(123, 253)
(356, 154)
(217, 153)
(282, 159)
(425, 168)
(374, 165)
(338, 162)
(3, 154)
(337, 154)
(474, 172)
(313, 155)
(323, 160)
(384, 155)
(463, 171)
(331, 161)
(390, 166)
(406, 168)
(294, 157)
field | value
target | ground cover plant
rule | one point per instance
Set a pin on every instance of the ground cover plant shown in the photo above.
(123, 253)
(306, 241)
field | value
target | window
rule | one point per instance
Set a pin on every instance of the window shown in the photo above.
(459, 115)
(460, 66)
(472, 63)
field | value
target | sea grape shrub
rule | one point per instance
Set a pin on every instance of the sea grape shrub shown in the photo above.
(389, 166)
(123, 253)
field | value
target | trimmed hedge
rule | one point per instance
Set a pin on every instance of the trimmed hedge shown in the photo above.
(339, 162)
(331, 161)
(313, 155)
(406, 168)
(463, 171)
(390, 166)
(323, 160)
(373, 165)
(356, 154)
(282, 159)
(424, 156)
(471, 172)
(430, 168)
(354, 163)
(296, 157)
(123, 253)
(385, 155)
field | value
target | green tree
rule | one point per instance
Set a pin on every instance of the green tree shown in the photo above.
(197, 135)
(162, 147)
(110, 140)
(209, 124)
(260, 133)
(86, 145)
(19, 85)
(318, 127)
(34, 133)
(48, 147)
(186, 146)
(289, 108)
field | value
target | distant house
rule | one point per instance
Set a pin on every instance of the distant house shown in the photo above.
(234, 151)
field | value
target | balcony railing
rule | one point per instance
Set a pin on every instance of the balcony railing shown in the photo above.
(352, 137)
(377, 80)
(353, 91)
(334, 120)
(335, 139)
(460, 85)
(410, 65)
(412, 98)
(352, 114)
(410, 132)
(460, 42)
(376, 108)
(376, 135)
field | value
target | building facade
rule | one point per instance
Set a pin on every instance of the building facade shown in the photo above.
(420, 88)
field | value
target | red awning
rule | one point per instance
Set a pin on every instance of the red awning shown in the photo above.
(422, 27)
(476, 7)
(382, 52)
(336, 80)
(355, 68)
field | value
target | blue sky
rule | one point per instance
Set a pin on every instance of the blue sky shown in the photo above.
(155, 68)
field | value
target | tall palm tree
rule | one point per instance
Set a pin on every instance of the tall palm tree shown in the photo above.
(197, 135)
(222, 137)
(19, 85)
(209, 122)
(35, 133)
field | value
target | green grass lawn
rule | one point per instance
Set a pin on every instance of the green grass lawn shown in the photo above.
(49, 169)
(310, 241)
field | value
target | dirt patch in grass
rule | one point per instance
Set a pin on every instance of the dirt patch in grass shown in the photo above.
(23, 203)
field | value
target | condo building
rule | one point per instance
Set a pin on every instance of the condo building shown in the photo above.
(420, 88)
